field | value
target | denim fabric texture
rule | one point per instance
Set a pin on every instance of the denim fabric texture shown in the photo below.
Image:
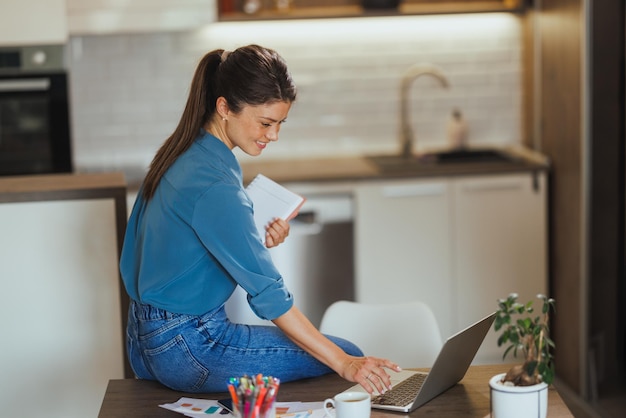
(200, 353)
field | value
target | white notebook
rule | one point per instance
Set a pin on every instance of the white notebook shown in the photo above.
(272, 200)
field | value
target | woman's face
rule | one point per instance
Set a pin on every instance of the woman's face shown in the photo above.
(255, 126)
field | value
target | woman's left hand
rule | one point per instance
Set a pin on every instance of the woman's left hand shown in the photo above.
(276, 232)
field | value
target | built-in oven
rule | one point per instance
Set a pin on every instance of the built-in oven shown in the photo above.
(34, 111)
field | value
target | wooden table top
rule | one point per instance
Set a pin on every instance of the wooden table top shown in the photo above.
(469, 398)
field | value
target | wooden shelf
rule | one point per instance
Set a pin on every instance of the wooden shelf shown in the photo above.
(407, 7)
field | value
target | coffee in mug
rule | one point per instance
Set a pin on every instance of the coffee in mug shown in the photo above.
(349, 405)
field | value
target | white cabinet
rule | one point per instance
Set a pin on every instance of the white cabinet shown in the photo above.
(500, 246)
(458, 244)
(32, 22)
(113, 16)
(402, 244)
(60, 301)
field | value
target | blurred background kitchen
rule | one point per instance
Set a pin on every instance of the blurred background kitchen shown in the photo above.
(546, 75)
(128, 90)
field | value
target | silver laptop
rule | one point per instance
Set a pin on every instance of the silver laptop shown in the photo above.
(413, 389)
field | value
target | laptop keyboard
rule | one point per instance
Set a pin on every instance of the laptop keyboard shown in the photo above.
(403, 393)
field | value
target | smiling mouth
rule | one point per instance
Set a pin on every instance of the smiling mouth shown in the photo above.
(261, 144)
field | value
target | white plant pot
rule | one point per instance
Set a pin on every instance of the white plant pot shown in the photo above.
(518, 401)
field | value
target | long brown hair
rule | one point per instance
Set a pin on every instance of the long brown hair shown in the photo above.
(250, 75)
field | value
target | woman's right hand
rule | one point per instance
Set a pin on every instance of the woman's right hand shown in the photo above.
(369, 372)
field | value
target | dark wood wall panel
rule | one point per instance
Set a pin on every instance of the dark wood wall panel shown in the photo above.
(606, 198)
(561, 128)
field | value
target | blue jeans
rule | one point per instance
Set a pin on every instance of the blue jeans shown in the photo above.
(200, 353)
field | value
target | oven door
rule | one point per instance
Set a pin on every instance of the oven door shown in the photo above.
(34, 124)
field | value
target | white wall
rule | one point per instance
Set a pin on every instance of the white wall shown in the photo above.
(128, 91)
(32, 22)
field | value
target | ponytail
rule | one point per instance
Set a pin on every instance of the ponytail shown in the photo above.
(199, 108)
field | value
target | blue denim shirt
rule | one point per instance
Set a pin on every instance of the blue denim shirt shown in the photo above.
(187, 249)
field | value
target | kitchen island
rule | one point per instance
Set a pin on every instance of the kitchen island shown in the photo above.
(62, 304)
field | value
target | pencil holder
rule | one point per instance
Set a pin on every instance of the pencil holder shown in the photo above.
(254, 396)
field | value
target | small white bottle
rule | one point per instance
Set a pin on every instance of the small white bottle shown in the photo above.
(457, 130)
(252, 6)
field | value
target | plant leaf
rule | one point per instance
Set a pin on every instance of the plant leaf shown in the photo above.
(507, 351)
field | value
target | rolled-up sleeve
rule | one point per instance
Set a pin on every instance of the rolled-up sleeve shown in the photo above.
(224, 222)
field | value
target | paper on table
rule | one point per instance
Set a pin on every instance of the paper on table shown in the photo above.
(272, 200)
(192, 407)
(300, 410)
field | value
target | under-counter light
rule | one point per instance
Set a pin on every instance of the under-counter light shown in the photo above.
(363, 29)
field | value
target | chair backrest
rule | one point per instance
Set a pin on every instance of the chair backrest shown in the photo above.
(406, 333)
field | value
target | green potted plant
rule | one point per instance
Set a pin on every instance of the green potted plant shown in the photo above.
(523, 390)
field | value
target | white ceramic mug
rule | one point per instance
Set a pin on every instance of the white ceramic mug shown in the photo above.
(349, 405)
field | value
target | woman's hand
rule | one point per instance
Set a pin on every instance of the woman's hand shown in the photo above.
(276, 232)
(369, 372)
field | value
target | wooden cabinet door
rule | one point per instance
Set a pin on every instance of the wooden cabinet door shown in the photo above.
(298, 9)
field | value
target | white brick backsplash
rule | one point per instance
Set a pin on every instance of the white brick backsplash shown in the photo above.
(128, 91)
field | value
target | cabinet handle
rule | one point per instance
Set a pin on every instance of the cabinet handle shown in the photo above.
(34, 84)
(492, 187)
(412, 190)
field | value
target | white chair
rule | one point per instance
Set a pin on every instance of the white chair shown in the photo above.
(406, 333)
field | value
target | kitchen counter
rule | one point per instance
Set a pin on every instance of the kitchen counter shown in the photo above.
(361, 168)
(61, 186)
(356, 168)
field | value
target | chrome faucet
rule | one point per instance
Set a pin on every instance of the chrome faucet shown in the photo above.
(413, 72)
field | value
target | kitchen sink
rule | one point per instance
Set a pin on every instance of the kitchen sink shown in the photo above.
(396, 163)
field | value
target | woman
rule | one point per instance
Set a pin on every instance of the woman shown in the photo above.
(191, 240)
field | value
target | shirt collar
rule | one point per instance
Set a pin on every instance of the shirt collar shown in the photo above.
(221, 151)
